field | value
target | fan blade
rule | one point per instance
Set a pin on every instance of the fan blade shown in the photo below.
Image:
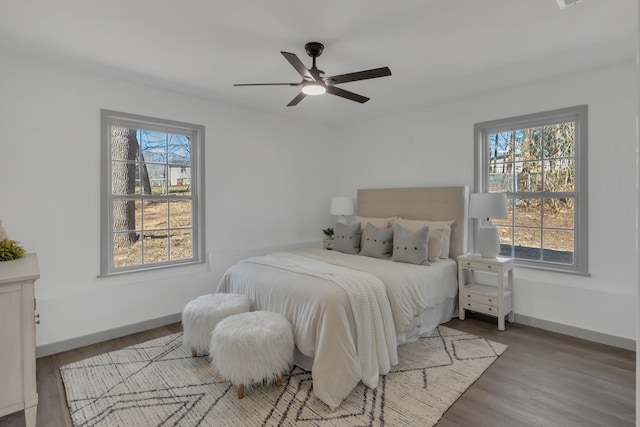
(359, 75)
(297, 64)
(346, 94)
(267, 84)
(297, 99)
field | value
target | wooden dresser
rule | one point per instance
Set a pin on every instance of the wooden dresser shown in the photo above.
(17, 338)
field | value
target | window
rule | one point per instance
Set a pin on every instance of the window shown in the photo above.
(540, 162)
(152, 193)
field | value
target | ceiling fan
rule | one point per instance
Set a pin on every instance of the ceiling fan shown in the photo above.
(313, 82)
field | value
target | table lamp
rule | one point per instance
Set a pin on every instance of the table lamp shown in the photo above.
(485, 206)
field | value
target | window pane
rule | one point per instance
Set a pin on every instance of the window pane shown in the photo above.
(156, 247)
(179, 178)
(157, 177)
(156, 214)
(559, 174)
(153, 146)
(529, 176)
(528, 144)
(124, 178)
(559, 213)
(501, 182)
(527, 212)
(181, 244)
(127, 250)
(559, 140)
(180, 213)
(126, 215)
(527, 243)
(501, 147)
(558, 246)
(505, 236)
(558, 240)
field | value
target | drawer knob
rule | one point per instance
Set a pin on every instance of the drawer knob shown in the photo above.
(490, 300)
(468, 295)
(488, 266)
(469, 304)
(490, 309)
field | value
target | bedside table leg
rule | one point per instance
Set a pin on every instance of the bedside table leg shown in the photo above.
(511, 317)
(501, 323)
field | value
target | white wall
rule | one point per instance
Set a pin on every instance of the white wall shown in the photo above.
(268, 183)
(434, 146)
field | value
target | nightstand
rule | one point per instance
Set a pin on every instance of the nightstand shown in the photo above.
(328, 244)
(488, 299)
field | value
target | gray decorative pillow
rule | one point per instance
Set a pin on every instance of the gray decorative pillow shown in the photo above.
(377, 242)
(410, 246)
(347, 238)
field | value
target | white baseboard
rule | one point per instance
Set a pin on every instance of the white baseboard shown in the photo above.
(599, 337)
(70, 344)
(73, 343)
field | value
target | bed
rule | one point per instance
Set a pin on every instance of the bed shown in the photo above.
(319, 291)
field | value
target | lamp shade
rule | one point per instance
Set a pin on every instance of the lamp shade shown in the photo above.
(342, 206)
(488, 205)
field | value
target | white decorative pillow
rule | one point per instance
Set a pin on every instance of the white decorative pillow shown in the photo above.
(410, 246)
(439, 235)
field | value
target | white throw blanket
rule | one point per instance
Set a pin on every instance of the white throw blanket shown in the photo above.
(375, 330)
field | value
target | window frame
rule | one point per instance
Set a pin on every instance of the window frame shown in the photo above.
(197, 135)
(577, 114)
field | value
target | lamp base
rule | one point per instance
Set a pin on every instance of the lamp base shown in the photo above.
(343, 220)
(488, 241)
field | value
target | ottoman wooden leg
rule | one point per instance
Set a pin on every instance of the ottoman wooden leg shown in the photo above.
(278, 381)
(240, 391)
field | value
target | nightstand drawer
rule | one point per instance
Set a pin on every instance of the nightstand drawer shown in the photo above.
(481, 266)
(482, 299)
(480, 308)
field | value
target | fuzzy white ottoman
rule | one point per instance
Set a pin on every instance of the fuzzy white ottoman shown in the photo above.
(200, 317)
(252, 347)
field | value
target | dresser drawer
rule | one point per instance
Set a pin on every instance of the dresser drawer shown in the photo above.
(480, 266)
(480, 308)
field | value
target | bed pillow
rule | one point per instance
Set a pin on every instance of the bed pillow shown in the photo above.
(347, 238)
(410, 246)
(439, 236)
(377, 242)
(378, 222)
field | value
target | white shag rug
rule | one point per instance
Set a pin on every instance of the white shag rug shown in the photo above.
(158, 383)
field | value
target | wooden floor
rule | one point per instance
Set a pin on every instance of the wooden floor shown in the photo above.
(543, 379)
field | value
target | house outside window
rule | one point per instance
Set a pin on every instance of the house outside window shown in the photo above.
(540, 162)
(152, 212)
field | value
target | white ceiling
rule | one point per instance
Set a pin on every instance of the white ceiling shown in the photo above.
(437, 50)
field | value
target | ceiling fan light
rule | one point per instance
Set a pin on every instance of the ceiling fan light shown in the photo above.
(314, 89)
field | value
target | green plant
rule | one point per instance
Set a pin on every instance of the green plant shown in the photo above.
(328, 232)
(10, 249)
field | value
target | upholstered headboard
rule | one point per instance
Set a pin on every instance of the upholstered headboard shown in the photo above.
(423, 203)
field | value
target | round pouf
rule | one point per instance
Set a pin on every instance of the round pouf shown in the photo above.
(201, 316)
(252, 347)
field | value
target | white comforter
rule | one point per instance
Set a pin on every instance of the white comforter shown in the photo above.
(321, 312)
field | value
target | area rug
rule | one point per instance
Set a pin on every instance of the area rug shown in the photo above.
(157, 383)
